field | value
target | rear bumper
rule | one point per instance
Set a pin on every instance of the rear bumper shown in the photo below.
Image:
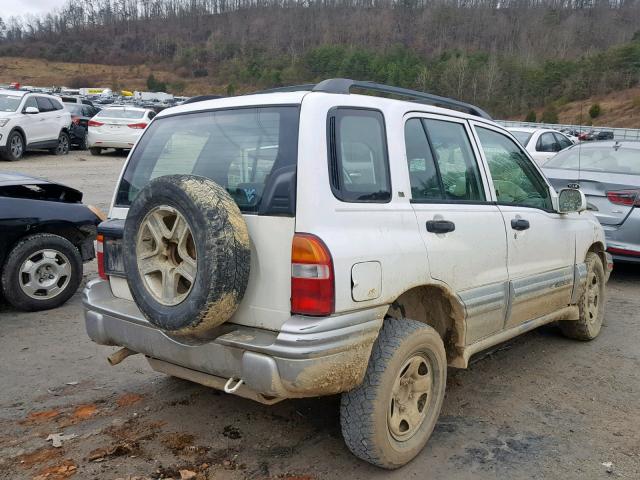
(307, 357)
(623, 241)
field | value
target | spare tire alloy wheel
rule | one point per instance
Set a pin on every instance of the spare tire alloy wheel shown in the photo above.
(166, 255)
(186, 254)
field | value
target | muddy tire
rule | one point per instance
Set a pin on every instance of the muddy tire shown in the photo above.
(591, 304)
(41, 272)
(95, 151)
(388, 419)
(187, 254)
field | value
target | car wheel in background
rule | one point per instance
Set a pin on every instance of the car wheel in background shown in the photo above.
(15, 147)
(41, 272)
(95, 151)
(82, 142)
(63, 144)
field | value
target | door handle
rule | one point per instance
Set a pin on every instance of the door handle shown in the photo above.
(520, 224)
(440, 226)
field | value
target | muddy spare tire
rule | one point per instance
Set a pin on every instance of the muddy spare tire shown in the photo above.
(186, 254)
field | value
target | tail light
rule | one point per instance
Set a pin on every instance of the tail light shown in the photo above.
(94, 123)
(75, 120)
(628, 198)
(140, 126)
(312, 280)
(100, 256)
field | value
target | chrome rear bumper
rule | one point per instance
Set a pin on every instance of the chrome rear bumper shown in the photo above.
(309, 356)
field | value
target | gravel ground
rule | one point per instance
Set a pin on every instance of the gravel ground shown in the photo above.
(540, 406)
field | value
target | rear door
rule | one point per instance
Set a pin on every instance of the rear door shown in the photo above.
(462, 229)
(541, 242)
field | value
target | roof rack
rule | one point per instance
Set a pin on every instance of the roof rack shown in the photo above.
(201, 98)
(344, 86)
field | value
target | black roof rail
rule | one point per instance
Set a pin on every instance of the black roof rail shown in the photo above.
(201, 98)
(344, 86)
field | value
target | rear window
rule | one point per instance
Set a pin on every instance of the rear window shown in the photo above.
(610, 159)
(121, 113)
(74, 108)
(522, 137)
(244, 150)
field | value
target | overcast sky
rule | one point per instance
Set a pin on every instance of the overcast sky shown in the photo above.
(9, 8)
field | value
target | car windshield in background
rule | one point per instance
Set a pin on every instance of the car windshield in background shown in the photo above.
(599, 158)
(9, 103)
(238, 149)
(121, 113)
(522, 137)
(74, 108)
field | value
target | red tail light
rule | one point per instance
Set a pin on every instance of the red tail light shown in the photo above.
(94, 123)
(140, 126)
(75, 120)
(100, 256)
(628, 198)
(312, 281)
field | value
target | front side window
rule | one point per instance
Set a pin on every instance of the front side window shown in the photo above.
(515, 179)
(547, 143)
(239, 149)
(44, 104)
(442, 165)
(563, 141)
(358, 160)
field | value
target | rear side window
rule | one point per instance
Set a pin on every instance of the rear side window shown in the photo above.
(358, 159)
(248, 151)
(442, 166)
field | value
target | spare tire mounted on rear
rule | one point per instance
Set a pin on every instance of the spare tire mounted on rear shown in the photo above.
(186, 254)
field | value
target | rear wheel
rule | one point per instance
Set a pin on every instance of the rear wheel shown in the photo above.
(42, 271)
(95, 151)
(15, 147)
(388, 419)
(63, 144)
(591, 304)
(82, 141)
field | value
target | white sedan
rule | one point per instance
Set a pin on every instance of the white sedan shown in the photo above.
(117, 127)
(541, 143)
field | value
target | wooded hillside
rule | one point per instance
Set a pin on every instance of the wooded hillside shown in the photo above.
(507, 56)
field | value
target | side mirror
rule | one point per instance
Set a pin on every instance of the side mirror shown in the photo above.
(571, 200)
(31, 110)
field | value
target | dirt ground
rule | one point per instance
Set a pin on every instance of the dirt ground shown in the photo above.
(540, 406)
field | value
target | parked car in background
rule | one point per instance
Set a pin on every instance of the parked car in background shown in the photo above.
(30, 121)
(80, 116)
(117, 127)
(541, 143)
(604, 135)
(76, 99)
(609, 175)
(47, 233)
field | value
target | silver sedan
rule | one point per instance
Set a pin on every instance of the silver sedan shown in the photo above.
(609, 175)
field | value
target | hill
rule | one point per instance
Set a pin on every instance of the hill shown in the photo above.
(618, 109)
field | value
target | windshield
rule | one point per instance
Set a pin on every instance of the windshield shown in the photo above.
(9, 103)
(121, 113)
(623, 159)
(522, 137)
(238, 149)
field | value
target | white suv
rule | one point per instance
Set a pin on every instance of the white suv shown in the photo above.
(31, 121)
(311, 241)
